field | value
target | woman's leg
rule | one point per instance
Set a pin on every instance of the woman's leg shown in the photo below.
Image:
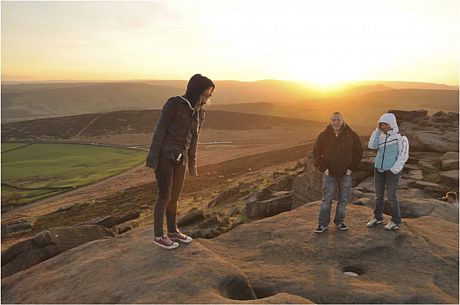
(164, 176)
(177, 185)
(391, 181)
(379, 184)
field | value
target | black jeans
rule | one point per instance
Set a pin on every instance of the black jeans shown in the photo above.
(390, 181)
(170, 180)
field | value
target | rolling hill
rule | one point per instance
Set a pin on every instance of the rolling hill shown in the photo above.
(26, 101)
(134, 122)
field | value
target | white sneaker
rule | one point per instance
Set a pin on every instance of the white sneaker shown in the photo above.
(374, 221)
(391, 226)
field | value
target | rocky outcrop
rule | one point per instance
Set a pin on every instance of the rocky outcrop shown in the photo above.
(277, 259)
(438, 132)
(281, 202)
(18, 225)
(307, 186)
(450, 178)
(224, 196)
(206, 225)
(48, 244)
(417, 207)
(112, 220)
(449, 161)
(193, 216)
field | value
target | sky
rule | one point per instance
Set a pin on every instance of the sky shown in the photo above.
(323, 42)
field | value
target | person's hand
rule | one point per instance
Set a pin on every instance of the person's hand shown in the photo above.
(326, 172)
(348, 172)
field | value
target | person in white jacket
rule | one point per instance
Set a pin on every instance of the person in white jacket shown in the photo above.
(392, 155)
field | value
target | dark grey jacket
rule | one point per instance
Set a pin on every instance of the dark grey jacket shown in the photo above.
(337, 153)
(176, 132)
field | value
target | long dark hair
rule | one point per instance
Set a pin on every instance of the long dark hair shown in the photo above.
(196, 86)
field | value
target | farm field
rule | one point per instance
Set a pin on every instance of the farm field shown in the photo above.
(34, 171)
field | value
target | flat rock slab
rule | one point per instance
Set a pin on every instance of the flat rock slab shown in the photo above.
(277, 259)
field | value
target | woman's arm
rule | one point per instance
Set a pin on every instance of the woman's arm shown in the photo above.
(374, 140)
(403, 155)
(192, 152)
(167, 114)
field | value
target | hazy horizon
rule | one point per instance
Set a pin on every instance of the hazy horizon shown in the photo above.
(343, 84)
(324, 43)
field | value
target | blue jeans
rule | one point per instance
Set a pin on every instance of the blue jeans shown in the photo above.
(330, 184)
(391, 181)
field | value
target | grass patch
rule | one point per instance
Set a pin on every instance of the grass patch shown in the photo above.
(41, 170)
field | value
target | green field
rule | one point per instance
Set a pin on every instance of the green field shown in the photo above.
(32, 172)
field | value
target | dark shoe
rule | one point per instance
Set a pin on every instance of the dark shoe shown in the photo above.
(165, 243)
(342, 226)
(179, 236)
(320, 229)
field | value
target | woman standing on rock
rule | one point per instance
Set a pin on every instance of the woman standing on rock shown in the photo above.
(174, 144)
(336, 153)
(393, 152)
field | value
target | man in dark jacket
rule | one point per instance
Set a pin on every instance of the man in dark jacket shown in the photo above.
(174, 145)
(336, 153)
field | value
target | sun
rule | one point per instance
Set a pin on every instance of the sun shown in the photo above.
(321, 80)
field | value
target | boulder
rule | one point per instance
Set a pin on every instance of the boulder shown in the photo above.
(367, 165)
(356, 194)
(359, 176)
(430, 185)
(414, 174)
(215, 221)
(224, 196)
(432, 141)
(409, 115)
(193, 216)
(234, 211)
(428, 165)
(418, 207)
(405, 183)
(432, 189)
(18, 225)
(111, 220)
(210, 227)
(279, 174)
(450, 178)
(410, 193)
(127, 226)
(367, 185)
(270, 207)
(48, 244)
(283, 185)
(411, 166)
(128, 205)
(366, 202)
(449, 161)
(306, 188)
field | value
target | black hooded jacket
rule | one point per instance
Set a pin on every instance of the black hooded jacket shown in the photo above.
(337, 153)
(176, 133)
(177, 129)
